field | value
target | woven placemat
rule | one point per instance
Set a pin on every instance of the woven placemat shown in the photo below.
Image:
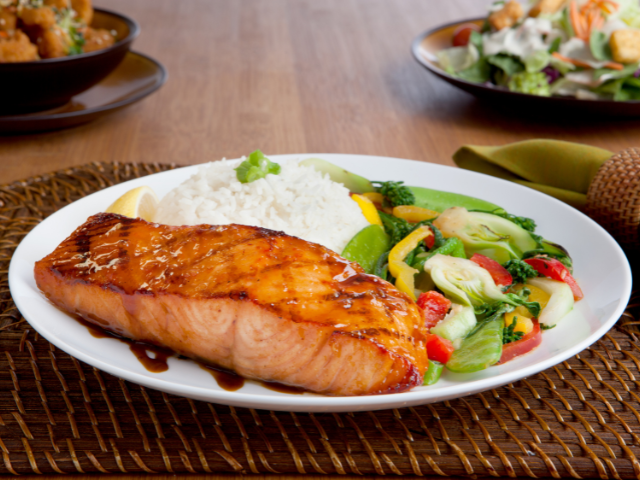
(579, 419)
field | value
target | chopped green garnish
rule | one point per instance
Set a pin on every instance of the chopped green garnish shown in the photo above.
(508, 335)
(520, 271)
(546, 327)
(255, 167)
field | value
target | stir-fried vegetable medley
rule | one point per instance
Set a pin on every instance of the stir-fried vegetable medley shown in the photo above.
(487, 284)
(588, 49)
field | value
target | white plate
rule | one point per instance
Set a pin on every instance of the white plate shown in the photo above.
(601, 268)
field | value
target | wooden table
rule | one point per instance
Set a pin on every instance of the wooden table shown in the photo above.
(289, 76)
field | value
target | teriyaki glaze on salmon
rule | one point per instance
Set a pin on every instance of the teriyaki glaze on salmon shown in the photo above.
(258, 302)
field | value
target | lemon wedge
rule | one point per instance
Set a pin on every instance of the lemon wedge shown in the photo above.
(141, 202)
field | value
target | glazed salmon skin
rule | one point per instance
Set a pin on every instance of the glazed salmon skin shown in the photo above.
(263, 304)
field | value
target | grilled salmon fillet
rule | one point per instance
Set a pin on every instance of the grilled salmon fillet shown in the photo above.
(263, 304)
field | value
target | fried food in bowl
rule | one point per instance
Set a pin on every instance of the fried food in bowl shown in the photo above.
(65, 45)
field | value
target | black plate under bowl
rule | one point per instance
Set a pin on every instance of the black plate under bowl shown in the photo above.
(133, 79)
(45, 84)
(427, 44)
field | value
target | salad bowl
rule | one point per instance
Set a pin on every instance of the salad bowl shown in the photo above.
(601, 268)
(426, 45)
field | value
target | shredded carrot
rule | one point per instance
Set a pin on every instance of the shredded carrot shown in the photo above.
(572, 61)
(574, 16)
(580, 63)
(590, 16)
(4, 34)
(614, 65)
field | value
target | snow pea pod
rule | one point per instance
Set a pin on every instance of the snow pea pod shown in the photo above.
(433, 373)
(367, 247)
(452, 247)
(479, 350)
(439, 201)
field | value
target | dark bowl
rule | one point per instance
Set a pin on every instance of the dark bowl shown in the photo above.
(45, 84)
(427, 44)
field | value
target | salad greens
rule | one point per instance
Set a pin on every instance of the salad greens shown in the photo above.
(588, 49)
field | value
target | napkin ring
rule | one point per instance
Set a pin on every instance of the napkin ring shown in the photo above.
(613, 199)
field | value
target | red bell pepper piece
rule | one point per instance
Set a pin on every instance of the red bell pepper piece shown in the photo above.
(435, 306)
(500, 275)
(438, 348)
(430, 240)
(527, 343)
(555, 270)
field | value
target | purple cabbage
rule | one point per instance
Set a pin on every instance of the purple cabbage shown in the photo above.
(552, 74)
(637, 74)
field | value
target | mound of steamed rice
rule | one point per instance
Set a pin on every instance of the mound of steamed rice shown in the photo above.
(300, 201)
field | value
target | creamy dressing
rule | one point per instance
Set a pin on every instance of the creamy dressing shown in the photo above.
(522, 41)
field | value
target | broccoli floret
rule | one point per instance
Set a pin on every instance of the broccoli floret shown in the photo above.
(520, 271)
(395, 194)
(396, 228)
(533, 83)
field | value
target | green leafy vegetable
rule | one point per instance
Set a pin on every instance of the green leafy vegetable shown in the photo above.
(627, 71)
(467, 283)
(395, 193)
(520, 271)
(533, 83)
(566, 24)
(545, 327)
(508, 335)
(508, 64)
(555, 45)
(475, 39)
(537, 61)
(491, 235)
(599, 45)
(528, 224)
(255, 167)
(479, 72)
(456, 59)
(480, 349)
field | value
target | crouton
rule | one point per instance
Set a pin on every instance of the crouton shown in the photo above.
(17, 48)
(97, 39)
(546, 6)
(625, 46)
(507, 16)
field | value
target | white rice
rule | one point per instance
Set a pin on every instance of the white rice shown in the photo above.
(300, 201)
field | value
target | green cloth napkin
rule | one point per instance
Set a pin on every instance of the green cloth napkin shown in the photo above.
(563, 170)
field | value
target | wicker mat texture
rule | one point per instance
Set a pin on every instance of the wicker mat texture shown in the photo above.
(580, 419)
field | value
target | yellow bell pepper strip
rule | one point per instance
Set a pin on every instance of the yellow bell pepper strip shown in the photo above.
(403, 273)
(375, 197)
(414, 214)
(368, 209)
